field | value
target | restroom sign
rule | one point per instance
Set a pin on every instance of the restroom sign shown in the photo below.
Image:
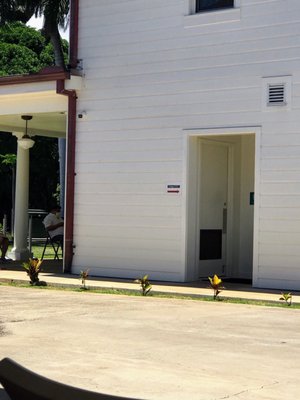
(174, 188)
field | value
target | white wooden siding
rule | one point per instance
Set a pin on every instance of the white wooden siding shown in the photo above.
(149, 74)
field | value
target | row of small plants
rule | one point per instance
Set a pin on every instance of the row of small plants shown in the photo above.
(217, 284)
(33, 268)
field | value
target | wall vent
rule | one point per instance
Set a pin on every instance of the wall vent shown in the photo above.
(276, 94)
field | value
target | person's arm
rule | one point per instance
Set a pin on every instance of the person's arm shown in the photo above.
(54, 226)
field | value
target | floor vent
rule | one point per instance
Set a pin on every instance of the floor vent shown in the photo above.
(276, 94)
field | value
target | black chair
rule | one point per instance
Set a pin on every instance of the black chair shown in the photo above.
(22, 384)
(56, 246)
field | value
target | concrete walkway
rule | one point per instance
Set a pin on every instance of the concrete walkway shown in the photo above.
(54, 277)
(152, 348)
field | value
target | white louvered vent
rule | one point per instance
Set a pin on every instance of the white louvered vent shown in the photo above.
(276, 94)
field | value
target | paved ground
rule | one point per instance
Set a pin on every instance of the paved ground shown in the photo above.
(152, 348)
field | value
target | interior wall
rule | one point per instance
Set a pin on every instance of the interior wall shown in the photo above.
(241, 257)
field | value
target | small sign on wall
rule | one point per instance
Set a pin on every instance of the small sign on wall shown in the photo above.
(174, 188)
(251, 199)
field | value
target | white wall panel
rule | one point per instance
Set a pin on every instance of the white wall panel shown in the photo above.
(150, 74)
(279, 238)
(282, 200)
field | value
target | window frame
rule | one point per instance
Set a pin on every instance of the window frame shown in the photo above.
(198, 10)
(225, 15)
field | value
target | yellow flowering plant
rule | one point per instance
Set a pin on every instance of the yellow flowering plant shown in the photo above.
(216, 285)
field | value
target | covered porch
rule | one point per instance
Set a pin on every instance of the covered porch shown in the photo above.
(31, 106)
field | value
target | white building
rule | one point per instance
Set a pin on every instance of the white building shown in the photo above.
(187, 150)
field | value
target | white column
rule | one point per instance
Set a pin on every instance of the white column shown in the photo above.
(20, 250)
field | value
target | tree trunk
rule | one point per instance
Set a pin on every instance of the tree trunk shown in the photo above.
(50, 29)
(57, 46)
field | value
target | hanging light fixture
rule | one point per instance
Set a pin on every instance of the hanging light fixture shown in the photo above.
(26, 142)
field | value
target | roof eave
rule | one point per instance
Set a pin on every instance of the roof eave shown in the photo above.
(45, 75)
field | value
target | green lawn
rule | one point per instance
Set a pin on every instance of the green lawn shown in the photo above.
(37, 250)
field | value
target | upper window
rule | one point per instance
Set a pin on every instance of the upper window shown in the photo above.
(208, 5)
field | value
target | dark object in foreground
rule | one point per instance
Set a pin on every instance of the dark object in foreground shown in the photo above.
(22, 384)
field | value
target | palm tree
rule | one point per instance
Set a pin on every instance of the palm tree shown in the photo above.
(11, 11)
(55, 13)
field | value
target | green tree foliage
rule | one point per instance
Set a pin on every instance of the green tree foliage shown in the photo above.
(25, 50)
(12, 10)
(20, 49)
(22, 35)
(54, 12)
(47, 55)
(15, 59)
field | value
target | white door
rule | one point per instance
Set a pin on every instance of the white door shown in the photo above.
(213, 197)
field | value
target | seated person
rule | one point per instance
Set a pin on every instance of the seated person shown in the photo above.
(3, 246)
(54, 225)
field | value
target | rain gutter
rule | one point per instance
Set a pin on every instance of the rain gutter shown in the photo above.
(70, 176)
(71, 138)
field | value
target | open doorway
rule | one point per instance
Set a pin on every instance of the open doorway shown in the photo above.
(213, 202)
(221, 206)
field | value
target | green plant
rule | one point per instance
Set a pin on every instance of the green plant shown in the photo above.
(145, 285)
(8, 159)
(83, 276)
(287, 297)
(33, 268)
(216, 285)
